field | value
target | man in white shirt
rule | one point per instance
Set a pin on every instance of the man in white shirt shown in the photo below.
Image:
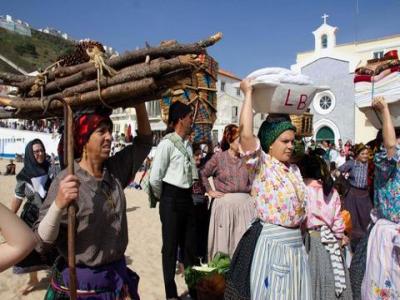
(171, 177)
(333, 153)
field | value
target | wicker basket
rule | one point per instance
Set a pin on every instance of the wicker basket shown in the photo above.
(303, 124)
(211, 288)
(200, 92)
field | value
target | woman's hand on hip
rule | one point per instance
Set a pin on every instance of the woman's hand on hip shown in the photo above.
(215, 194)
(68, 191)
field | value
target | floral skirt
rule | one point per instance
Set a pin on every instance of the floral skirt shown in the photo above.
(382, 274)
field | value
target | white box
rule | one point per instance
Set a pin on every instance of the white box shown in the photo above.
(375, 118)
(283, 98)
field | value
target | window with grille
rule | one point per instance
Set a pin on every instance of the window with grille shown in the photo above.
(325, 102)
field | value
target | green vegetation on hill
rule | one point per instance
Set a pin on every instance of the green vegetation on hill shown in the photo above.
(31, 53)
(5, 67)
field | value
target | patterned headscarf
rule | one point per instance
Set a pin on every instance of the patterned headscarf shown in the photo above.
(270, 131)
(84, 126)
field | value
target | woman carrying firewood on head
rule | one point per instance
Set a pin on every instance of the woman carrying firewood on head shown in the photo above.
(101, 222)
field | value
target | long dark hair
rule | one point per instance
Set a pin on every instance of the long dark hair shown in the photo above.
(314, 167)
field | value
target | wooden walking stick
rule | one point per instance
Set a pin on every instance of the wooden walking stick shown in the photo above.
(69, 162)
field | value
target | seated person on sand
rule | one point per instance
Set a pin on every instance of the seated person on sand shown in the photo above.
(10, 168)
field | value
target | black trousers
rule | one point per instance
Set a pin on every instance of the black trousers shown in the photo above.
(178, 229)
(202, 218)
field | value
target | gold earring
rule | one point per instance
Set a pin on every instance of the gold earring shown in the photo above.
(85, 152)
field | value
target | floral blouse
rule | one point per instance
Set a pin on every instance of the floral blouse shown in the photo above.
(387, 185)
(278, 189)
(323, 210)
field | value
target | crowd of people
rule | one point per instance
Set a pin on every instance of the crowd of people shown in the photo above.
(321, 224)
(39, 126)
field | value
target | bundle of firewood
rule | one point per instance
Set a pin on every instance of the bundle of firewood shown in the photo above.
(146, 74)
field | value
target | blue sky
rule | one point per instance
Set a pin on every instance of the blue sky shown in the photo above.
(257, 33)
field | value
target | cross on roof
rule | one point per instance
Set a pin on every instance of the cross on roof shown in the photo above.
(325, 16)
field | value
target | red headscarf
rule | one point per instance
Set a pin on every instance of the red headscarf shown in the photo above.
(84, 126)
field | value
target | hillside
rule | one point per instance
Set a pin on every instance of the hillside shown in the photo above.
(31, 53)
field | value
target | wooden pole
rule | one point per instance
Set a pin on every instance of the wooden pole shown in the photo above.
(69, 162)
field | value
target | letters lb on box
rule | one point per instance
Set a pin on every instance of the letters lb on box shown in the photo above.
(375, 118)
(291, 99)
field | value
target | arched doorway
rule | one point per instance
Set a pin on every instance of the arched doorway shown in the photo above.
(325, 133)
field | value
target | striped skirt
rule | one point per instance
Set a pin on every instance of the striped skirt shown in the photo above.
(279, 269)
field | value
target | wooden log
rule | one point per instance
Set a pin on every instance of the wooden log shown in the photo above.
(70, 85)
(109, 95)
(153, 92)
(163, 51)
(12, 79)
(130, 58)
(165, 81)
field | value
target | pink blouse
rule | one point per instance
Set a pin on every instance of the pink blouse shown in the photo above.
(323, 210)
(229, 173)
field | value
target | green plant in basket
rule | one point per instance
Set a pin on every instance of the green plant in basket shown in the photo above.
(218, 265)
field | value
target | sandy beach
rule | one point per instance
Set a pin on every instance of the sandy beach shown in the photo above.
(143, 252)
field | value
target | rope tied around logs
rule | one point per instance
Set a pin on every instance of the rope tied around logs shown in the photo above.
(201, 99)
(97, 57)
(41, 81)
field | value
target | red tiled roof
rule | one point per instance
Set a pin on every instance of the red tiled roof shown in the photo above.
(228, 74)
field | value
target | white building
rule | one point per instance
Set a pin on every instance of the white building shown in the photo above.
(55, 32)
(335, 113)
(17, 26)
(230, 100)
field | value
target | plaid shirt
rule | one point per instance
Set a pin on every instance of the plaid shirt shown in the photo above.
(358, 173)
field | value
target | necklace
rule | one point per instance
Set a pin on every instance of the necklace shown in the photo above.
(109, 200)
